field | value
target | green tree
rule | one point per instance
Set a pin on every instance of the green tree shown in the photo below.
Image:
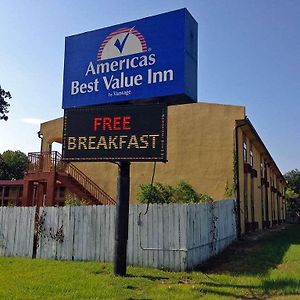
(289, 193)
(13, 164)
(293, 191)
(4, 96)
(292, 199)
(293, 179)
(2, 167)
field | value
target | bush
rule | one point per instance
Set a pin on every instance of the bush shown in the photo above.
(72, 200)
(181, 193)
(229, 191)
(157, 193)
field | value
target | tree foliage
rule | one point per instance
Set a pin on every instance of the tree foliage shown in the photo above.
(4, 105)
(156, 193)
(291, 194)
(181, 193)
(293, 179)
(13, 164)
(2, 167)
(293, 191)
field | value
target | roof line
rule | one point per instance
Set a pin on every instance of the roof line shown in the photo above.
(246, 119)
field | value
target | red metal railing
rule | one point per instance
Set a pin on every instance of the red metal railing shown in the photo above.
(52, 162)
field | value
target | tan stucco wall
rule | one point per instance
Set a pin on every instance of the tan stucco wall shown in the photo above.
(272, 174)
(257, 191)
(52, 132)
(200, 151)
(241, 179)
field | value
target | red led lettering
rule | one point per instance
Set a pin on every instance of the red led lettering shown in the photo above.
(97, 122)
(114, 123)
(117, 123)
(107, 122)
(126, 122)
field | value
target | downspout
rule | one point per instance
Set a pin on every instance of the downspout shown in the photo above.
(238, 197)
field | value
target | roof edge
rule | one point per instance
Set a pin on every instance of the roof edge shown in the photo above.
(248, 122)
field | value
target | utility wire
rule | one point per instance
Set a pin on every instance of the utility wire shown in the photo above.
(150, 198)
(151, 188)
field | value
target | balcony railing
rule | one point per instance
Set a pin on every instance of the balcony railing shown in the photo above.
(52, 162)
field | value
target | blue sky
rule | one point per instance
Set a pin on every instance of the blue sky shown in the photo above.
(249, 54)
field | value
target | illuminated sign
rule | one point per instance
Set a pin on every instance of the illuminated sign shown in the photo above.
(115, 133)
(155, 57)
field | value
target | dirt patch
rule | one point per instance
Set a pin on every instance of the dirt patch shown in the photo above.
(243, 247)
(286, 266)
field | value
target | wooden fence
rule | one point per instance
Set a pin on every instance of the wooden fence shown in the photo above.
(174, 237)
(16, 231)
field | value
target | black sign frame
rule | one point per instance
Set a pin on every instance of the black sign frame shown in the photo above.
(115, 133)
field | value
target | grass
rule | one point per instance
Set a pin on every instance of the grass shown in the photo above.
(267, 268)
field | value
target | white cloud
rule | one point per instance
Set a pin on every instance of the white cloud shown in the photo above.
(32, 121)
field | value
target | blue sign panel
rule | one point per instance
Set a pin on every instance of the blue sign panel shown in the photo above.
(147, 59)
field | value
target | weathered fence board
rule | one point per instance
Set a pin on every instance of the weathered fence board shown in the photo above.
(211, 228)
(16, 231)
(175, 237)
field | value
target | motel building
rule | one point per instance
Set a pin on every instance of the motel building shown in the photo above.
(213, 147)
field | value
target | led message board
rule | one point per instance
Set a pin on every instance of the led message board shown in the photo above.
(150, 58)
(116, 133)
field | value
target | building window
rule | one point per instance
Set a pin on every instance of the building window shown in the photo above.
(251, 156)
(262, 171)
(61, 192)
(6, 191)
(244, 147)
(265, 167)
(20, 192)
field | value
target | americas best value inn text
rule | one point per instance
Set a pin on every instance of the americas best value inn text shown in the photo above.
(113, 82)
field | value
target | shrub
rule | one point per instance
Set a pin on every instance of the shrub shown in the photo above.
(229, 190)
(181, 193)
(204, 198)
(184, 193)
(72, 200)
(157, 193)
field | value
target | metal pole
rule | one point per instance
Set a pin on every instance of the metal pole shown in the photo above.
(121, 229)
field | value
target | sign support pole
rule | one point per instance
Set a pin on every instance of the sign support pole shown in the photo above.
(122, 211)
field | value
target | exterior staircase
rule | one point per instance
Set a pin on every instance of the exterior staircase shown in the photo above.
(52, 164)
